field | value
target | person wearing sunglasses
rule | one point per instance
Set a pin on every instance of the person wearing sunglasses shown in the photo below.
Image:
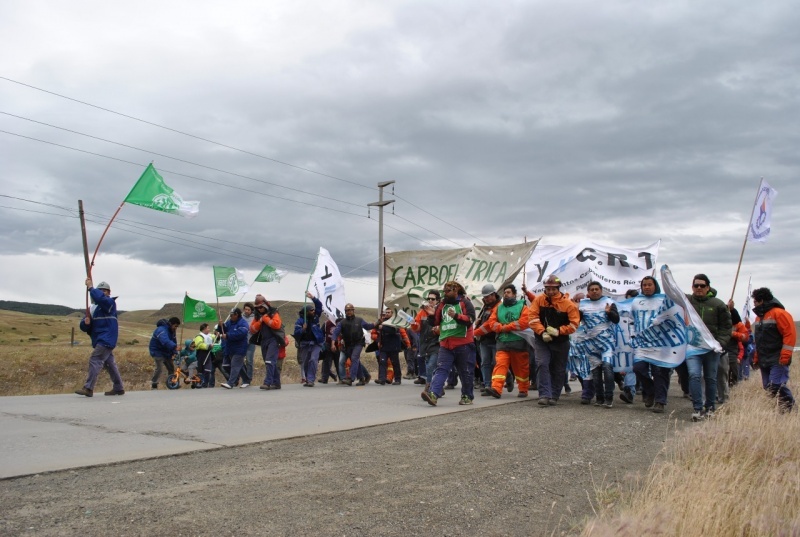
(705, 366)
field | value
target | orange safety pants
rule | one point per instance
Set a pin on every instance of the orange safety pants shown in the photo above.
(519, 362)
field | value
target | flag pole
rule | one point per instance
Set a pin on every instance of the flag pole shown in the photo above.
(85, 251)
(183, 320)
(746, 233)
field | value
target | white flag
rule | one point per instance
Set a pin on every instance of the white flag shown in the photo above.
(328, 286)
(762, 213)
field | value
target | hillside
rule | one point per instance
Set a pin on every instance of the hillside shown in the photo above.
(36, 309)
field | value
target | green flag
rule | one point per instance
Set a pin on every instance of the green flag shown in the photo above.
(152, 192)
(270, 274)
(229, 282)
(195, 311)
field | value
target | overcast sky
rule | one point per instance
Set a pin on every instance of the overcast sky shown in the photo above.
(617, 122)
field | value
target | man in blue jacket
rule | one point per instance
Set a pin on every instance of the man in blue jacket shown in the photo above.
(310, 337)
(236, 335)
(101, 325)
(163, 347)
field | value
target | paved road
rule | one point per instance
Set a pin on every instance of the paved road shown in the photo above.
(56, 432)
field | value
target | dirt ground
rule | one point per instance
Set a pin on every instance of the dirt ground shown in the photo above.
(514, 469)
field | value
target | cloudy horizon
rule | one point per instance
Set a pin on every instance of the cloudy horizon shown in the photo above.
(622, 123)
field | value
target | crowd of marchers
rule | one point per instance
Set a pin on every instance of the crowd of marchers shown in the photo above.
(536, 342)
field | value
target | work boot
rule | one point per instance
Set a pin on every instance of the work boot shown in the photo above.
(85, 391)
(115, 392)
(543, 401)
(509, 383)
(494, 393)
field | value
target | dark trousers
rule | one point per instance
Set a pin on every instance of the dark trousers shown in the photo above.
(383, 359)
(654, 381)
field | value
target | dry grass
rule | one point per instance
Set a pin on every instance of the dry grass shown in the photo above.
(39, 356)
(735, 475)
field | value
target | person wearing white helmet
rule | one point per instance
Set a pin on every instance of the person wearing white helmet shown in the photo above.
(101, 325)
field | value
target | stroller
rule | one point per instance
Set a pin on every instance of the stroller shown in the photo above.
(174, 380)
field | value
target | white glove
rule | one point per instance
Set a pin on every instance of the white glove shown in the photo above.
(552, 331)
(547, 338)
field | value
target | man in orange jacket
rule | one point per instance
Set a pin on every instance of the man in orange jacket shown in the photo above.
(509, 316)
(775, 336)
(553, 317)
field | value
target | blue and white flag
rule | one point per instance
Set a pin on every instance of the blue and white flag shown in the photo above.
(623, 356)
(759, 228)
(327, 285)
(659, 331)
(699, 338)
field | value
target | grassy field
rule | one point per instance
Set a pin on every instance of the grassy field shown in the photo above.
(40, 357)
(735, 475)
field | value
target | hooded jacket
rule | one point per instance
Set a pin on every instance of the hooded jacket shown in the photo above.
(163, 343)
(775, 334)
(104, 329)
(715, 315)
(313, 334)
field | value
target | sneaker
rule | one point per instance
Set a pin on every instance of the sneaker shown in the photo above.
(115, 392)
(309, 384)
(265, 387)
(85, 391)
(494, 393)
(709, 413)
(625, 397)
(226, 385)
(697, 416)
(430, 397)
(599, 402)
(585, 401)
(649, 402)
(543, 401)
(552, 402)
(465, 400)
(609, 403)
(245, 385)
(658, 408)
(522, 395)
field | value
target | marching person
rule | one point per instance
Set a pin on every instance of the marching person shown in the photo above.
(351, 331)
(553, 317)
(512, 350)
(486, 338)
(235, 335)
(268, 326)
(163, 347)
(391, 340)
(101, 325)
(310, 337)
(454, 316)
(775, 336)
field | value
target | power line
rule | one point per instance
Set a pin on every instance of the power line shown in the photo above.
(134, 118)
(151, 152)
(187, 134)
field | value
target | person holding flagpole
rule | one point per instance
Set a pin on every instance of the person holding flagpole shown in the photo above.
(101, 325)
(310, 337)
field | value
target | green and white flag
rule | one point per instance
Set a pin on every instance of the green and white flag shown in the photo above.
(152, 192)
(270, 274)
(229, 282)
(195, 311)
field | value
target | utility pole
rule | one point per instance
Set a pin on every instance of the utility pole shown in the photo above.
(380, 204)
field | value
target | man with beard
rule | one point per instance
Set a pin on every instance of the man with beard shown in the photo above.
(454, 317)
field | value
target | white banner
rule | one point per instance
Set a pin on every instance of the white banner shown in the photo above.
(759, 228)
(328, 286)
(617, 269)
(411, 274)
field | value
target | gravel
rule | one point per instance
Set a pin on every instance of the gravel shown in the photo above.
(515, 469)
